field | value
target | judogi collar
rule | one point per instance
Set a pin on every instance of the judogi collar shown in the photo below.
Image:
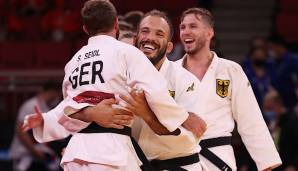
(164, 67)
(95, 39)
(212, 66)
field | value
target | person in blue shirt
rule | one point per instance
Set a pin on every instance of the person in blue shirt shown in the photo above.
(285, 64)
(259, 71)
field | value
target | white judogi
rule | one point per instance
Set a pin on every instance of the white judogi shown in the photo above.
(107, 65)
(240, 105)
(182, 86)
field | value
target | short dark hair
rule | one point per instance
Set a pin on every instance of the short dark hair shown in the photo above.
(133, 18)
(163, 15)
(206, 15)
(98, 16)
(127, 35)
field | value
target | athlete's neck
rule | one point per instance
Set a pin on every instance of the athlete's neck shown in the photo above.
(159, 63)
(201, 58)
(110, 33)
(198, 63)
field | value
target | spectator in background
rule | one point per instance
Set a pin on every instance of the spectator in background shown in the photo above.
(286, 67)
(259, 72)
(258, 41)
(124, 28)
(27, 13)
(133, 18)
(283, 126)
(24, 151)
(61, 23)
(127, 38)
(273, 110)
(287, 137)
(255, 42)
(28, 8)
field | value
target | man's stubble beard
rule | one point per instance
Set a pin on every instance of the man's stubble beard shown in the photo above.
(160, 54)
(199, 46)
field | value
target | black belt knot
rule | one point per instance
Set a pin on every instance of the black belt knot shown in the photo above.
(213, 158)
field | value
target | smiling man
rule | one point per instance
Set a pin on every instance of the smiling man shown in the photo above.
(228, 98)
(167, 152)
(155, 43)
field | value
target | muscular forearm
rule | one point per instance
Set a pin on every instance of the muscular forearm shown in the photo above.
(105, 115)
(156, 126)
(195, 124)
(83, 115)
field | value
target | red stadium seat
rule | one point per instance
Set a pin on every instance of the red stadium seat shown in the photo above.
(288, 6)
(15, 55)
(3, 10)
(287, 27)
(31, 27)
(51, 55)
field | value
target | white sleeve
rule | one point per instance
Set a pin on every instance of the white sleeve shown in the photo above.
(70, 124)
(250, 122)
(70, 107)
(57, 125)
(51, 129)
(143, 74)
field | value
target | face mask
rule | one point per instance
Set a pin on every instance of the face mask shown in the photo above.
(272, 54)
(259, 62)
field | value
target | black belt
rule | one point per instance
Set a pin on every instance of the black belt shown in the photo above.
(94, 128)
(175, 163)
(213, 158)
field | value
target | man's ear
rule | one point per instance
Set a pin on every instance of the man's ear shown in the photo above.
(170, 47)
(117, 29)
(85, 30)
(210, 33)
(116, 25)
